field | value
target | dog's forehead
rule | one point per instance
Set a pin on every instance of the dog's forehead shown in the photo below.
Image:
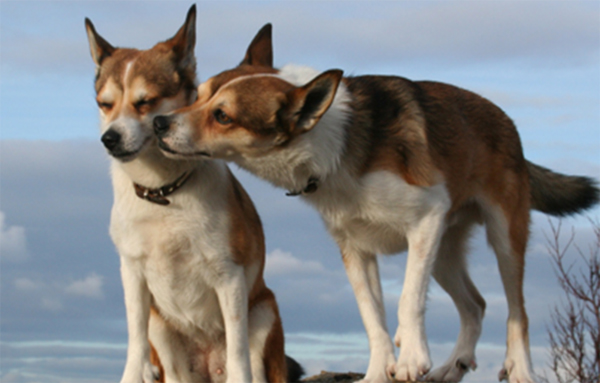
(114, 67)
(222, 79)
(156, 71)
(253, 100)
(258, 86)
(151, 69)
(110, 91)
(254, 90)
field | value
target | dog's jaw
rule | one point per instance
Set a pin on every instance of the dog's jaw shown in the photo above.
(171, 153)
(130, 155)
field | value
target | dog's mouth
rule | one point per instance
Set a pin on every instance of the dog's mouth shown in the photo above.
(128, 155)
(125, 156)
(168, 150)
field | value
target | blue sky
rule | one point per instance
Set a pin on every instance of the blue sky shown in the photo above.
(62, 315)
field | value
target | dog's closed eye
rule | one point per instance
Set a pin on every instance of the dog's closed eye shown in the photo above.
(144, 102)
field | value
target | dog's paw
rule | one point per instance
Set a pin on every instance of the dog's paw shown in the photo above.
(385, 377)
(412, 365)
(515, 373)
(381, 368)
(453, 371)
(382, 377)
(148, 373)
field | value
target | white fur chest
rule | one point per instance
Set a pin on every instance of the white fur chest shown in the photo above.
(375, 213)
(176, 248)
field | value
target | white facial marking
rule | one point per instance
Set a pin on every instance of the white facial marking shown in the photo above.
(126, 73)
(240, 79)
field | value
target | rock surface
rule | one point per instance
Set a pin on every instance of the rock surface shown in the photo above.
(334, 377)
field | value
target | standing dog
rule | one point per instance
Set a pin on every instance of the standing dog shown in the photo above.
(190, 241)
(390, 164)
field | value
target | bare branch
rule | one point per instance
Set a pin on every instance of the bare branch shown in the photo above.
(574, 334)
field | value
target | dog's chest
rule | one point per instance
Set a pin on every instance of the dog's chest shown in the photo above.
(376, 212)
(181, 280)
(177, 256)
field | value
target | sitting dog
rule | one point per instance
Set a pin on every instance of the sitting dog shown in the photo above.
(391, 165)
(190, 241)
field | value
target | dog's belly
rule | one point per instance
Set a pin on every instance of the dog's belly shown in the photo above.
(377, 213)
(179, 263)
(369, 236)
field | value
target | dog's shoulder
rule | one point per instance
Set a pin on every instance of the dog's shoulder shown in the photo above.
(388, 129)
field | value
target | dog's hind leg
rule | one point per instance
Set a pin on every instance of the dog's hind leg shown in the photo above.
(232, 293)
(450, 271)
(507, 232)
(266, 341)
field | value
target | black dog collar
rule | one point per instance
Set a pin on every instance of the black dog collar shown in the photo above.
(159, 195)
(311, 186)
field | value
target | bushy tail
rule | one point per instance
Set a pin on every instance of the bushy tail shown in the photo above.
(295, 370)
(560, 195)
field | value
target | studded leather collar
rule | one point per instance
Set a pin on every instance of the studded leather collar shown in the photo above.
(159, 195)
(311, 186)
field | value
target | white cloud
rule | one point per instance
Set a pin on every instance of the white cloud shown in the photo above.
(26, 284)
(61, 362)
(90, 287)
(52, 304)
(13, 245)
(465, 31)
(280, 263)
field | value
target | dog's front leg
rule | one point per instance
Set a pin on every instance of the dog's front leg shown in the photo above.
(423, 243)
(137, 305)
(232, 293)
(363, 274)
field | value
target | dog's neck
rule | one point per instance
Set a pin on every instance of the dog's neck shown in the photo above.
(151, 169)
(314, 155)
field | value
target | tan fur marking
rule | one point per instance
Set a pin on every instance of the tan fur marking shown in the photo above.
(411, 160)
(248, 248)
(274, 355)
(154, 358)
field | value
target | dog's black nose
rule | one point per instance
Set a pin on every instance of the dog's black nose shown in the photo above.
(111, 139)
(161, 125)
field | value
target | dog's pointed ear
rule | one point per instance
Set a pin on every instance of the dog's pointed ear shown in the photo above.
(260, 50)
(99, 47)
(306, 105)
(184, 41)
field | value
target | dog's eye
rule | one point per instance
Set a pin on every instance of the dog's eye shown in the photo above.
(105, 105)
(144, 102)
(222, 118)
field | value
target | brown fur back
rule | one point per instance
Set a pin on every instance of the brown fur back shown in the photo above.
(430, 132)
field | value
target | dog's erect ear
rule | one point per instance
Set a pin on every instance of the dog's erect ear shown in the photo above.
(260, 50)
(306, 105)
(99, 47)
(184, 41)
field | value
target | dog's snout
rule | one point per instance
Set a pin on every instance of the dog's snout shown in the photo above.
(161, 125)
(111, 139)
